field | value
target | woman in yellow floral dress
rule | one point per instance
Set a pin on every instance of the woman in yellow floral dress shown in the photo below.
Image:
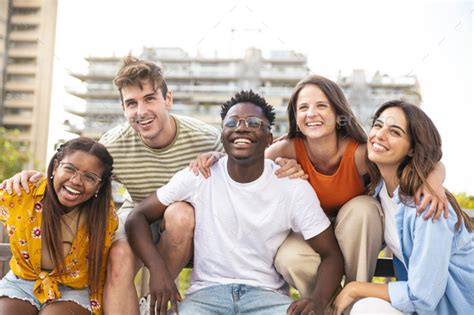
(60, 235)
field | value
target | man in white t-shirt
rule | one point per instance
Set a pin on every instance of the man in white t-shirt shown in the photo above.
(243, 214)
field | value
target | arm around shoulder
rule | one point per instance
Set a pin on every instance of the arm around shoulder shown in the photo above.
(283, 148)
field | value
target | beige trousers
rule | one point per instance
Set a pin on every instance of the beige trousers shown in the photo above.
(359, 231)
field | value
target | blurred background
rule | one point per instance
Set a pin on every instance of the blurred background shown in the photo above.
(58, 58)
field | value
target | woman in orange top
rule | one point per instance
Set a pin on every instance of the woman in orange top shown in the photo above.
(330, 145)
(60, 233)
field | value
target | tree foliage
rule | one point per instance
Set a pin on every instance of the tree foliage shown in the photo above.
(13, 155)
(465, 201)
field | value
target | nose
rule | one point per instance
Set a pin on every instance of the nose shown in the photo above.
(241, 125)
(380, 133)
(76, 178)
(312, 111)
(141, 108)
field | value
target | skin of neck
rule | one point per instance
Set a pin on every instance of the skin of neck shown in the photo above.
(245, 170)
(165, 137)
(389, 175)
(324, 148)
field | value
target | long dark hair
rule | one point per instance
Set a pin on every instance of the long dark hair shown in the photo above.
(95, 210)
(425, 142)
(347, 124)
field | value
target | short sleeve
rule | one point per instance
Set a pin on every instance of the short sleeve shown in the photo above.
(307, 216)
(181, 187)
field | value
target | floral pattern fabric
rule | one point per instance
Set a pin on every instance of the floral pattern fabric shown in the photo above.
(22, 217)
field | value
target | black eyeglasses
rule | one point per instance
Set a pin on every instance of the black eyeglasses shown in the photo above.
(87, 178)
(250, 122)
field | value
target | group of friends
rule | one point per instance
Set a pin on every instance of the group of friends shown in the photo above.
(252, 215)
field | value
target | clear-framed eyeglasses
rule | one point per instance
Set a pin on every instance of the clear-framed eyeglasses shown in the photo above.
(88, 178)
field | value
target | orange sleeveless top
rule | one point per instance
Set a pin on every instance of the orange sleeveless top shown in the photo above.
(333, 190)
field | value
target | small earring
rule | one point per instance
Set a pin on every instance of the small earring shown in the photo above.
(52, 177)
(95, 195)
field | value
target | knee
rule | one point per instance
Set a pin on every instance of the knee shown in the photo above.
(179, 219)
(121, 263)
(360, 209)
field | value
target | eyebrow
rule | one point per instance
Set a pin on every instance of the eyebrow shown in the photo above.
(392, 126)
(144, 96)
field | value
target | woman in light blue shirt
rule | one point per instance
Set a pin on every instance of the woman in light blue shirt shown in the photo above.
(437, 257)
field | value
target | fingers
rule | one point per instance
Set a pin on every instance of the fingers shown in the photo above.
(291, 309)
(289, 168)
(13, 184)
(164, 304)
(24, 181)
(152, 301)
(446, 207)
(174, 303)
(431, 210)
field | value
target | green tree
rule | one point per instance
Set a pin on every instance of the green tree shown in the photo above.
(465, 201)
(13, 154)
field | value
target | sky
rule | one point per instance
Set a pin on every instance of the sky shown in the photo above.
(430, 39)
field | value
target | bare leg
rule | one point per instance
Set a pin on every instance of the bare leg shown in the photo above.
(10, 306)
(64, 307)
(120, 295)
(176, 242)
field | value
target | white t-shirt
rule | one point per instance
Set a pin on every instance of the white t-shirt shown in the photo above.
(240, 226)
(390, 227)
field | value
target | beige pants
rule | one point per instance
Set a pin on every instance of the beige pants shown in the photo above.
(359, 231)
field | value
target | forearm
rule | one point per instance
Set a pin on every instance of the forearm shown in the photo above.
(328, 279)
(367, 289)
(438, 174)
(141, 241)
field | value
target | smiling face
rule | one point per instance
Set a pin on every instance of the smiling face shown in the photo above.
(244, 143)
(147, 112)
(389, 142)
(315, 117)
(74, 188)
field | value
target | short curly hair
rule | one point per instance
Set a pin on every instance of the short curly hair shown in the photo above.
(250, 97)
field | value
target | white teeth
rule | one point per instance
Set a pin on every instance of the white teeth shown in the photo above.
(72, 191)
(144, 121)
(312, 124)
(378, 147)
(241, 140)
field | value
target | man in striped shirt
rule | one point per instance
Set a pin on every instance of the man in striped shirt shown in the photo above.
(148, 150)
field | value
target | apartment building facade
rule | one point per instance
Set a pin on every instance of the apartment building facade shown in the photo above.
(27, 34)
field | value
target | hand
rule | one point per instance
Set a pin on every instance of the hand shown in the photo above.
(289, 168)
(163, 290)
(202, 164)
(305, 306)
(344, 299)
(438, 200)
(20, 180)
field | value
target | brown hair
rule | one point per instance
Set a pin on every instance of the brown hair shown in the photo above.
(134, 71)
(95, 210)
(413, 171)
(347, 124)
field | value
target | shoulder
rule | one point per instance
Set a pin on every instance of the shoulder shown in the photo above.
(189, 124)
(359, 158)
(117, 135)
(283, 148)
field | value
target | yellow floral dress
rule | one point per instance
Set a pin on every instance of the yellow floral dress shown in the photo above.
(22, 216)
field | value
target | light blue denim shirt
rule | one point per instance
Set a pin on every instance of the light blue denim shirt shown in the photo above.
(440, 262)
